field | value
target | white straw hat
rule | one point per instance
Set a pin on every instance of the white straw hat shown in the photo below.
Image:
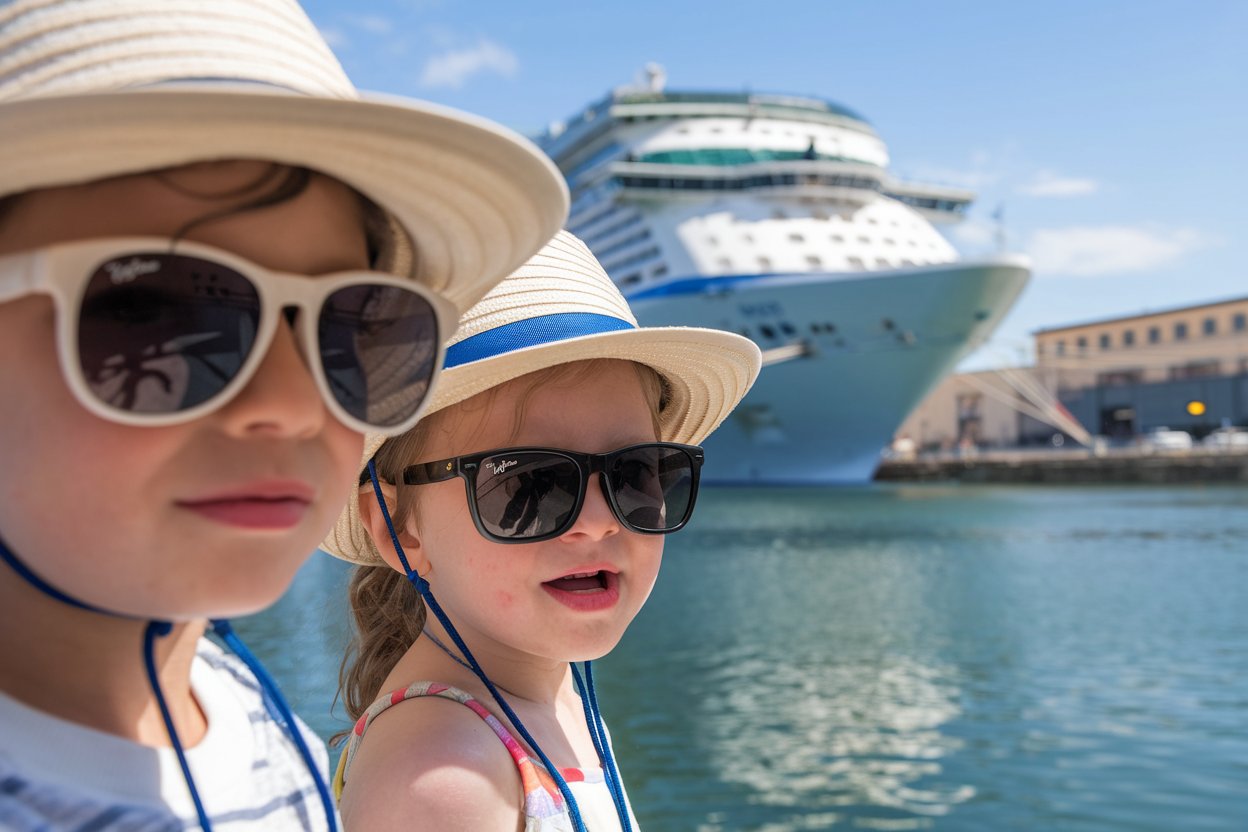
(96, 88)
(562, 307)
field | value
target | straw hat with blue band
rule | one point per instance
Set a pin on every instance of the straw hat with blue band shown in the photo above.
(561, 307)
(91, 89)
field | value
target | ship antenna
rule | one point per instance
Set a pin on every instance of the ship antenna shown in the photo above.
(999, 232)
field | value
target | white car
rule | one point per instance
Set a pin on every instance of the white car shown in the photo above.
(1226, 439)
(1164, 439)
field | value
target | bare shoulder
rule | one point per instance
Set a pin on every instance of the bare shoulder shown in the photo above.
(432, 764)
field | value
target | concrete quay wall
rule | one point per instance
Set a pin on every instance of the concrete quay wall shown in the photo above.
(1130, 466)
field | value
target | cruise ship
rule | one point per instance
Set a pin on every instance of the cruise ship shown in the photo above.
(776, 217)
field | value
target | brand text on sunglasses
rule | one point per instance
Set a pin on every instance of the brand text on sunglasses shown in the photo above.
(499, 467)
(120, 273)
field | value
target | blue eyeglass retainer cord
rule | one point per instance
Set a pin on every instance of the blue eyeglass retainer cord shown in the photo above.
(274, 703)
(593, 716)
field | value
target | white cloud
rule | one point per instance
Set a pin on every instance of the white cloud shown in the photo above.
(1046, 183)
(374, 24)
(1091, 251)
(454, 67)
(974, 233)
(334, 37)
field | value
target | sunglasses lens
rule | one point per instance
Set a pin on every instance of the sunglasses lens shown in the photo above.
(162, 333)
(653, 487)
(526, 494)
(378, 345)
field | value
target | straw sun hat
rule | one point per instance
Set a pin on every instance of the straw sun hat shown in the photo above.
(96, 88)
(562, 307)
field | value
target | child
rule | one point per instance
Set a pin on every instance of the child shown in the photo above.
(218, 269)
(546, 561)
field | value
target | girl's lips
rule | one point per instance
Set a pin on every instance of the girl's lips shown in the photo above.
(263, 505)
(586, 594)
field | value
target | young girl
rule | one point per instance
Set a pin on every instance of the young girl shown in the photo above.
(218, 269)
(528, 510)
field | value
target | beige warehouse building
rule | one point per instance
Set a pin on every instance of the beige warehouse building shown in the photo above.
(1183, 368)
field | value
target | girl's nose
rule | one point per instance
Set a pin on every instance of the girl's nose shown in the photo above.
(596, 520)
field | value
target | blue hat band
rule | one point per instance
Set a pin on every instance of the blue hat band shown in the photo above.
(531, 332)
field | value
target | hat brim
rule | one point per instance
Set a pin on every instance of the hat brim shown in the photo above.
(476, 199)
(708, 372)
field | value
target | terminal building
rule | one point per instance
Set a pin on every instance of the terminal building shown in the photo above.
(1183, 369)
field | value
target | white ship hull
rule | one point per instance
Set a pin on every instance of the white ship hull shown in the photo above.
(823, 412)
(776, 217)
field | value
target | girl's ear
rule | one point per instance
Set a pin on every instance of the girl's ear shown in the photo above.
(374, 523)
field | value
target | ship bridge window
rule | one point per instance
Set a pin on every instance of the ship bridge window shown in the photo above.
(764, 263)
(724, 263)
(882, 263)
(659, 270)
(787, 328)
(797, 238)
(631, 279)
(813, 261)
(767, 331)
(856, 262)
(837, 238)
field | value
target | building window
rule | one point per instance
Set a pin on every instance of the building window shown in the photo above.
(1180, 331)
(1211, 326)
(1196, 369)
(1154, 335)
(1128, 338)
(1081, 344)
(1104, 340)
(1061, 347)
(1240, 322)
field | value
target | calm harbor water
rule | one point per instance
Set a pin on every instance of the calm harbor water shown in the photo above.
(911, 657)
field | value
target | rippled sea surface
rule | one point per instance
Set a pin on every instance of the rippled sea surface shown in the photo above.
(911, 657)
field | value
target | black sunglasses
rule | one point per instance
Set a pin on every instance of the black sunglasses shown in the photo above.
(524, 495)
(158, 332)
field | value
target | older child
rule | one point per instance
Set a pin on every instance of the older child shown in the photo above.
(528, 510)
(218, 269)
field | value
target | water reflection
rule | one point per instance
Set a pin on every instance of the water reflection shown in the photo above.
(911, 658)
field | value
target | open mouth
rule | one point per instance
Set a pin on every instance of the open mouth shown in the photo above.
(580, 582)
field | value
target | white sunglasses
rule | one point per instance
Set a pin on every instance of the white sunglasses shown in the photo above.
(152, 331)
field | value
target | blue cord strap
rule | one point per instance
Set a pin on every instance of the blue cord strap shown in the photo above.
(155, 630)
(274, 701)
(422, 586)
(598, 733)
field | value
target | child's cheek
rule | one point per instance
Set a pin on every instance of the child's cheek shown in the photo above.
(504, 599)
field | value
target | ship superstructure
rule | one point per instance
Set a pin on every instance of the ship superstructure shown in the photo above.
(776, 217)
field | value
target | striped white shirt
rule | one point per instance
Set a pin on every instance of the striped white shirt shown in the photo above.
(57, 775)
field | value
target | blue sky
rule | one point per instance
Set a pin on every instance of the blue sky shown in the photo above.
(1115, 134)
